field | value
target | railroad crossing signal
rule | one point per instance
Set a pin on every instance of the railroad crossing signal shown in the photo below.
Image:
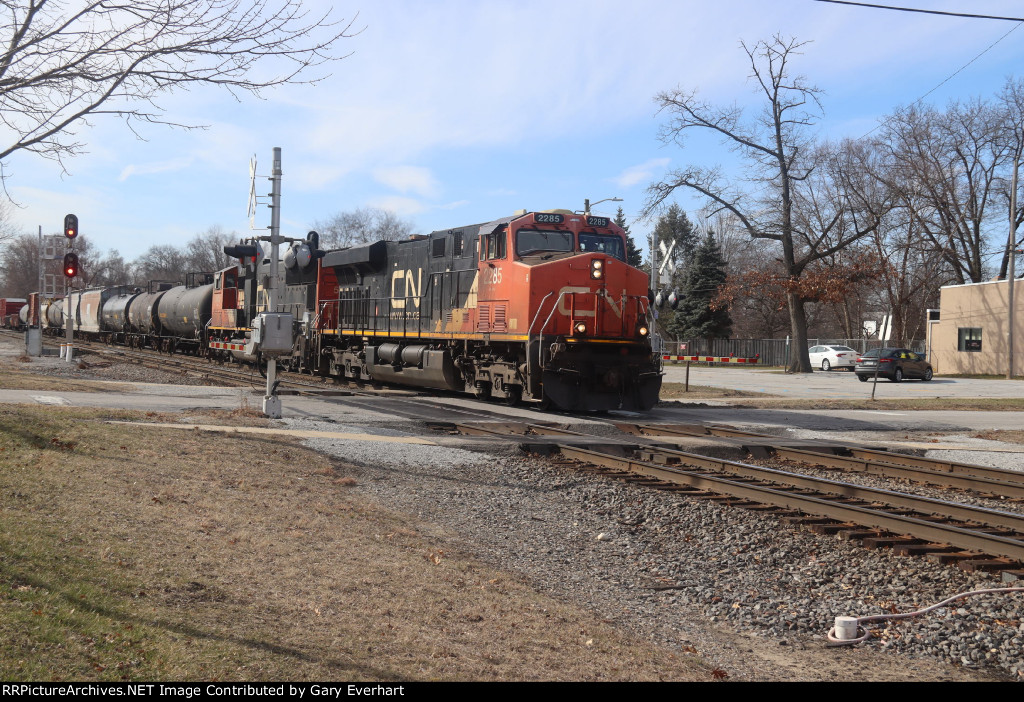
(70, 264)
(70, 226)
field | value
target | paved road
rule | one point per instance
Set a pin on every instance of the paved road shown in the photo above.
(838, 384)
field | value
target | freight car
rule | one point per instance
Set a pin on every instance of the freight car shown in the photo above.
(11, 316)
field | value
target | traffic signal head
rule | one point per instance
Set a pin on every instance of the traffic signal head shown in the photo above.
(70, 264)
(240, 251)
(70, 226)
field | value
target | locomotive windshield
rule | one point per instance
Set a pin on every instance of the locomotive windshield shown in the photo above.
(532, 241)
(603, 243)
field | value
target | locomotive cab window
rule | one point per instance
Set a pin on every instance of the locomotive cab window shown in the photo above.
(535, 241)
(457, 244)
(224, 280)
(492, 246)
(438, 247)
(602, 243)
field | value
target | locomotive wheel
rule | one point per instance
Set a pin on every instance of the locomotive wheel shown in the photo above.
(515, 394)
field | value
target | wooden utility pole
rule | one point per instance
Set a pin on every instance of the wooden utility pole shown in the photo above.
(1010, 272)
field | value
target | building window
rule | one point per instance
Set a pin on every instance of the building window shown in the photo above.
(969, 339)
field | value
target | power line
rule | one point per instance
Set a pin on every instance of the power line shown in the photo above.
(927, 12)
(950, 76)
(987, 49)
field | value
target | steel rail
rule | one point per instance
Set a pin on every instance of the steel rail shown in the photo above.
(926, 505)
(939, 465)
(980, 484)
(1000, 481)
(940, 509)
(957, 536)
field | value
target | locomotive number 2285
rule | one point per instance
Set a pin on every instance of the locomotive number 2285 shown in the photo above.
(492, 276)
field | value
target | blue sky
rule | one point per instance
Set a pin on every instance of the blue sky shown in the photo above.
(461, 111)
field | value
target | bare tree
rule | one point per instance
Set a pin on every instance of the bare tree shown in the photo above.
(109, 270)
(779, 156)
(205, 252)
(363, 225)
(65, 61)
(19, 266)
(161, 262)
(945, 167)
(1012, 104)
(8, 229)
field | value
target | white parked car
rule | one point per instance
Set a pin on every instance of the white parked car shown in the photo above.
(829, 357)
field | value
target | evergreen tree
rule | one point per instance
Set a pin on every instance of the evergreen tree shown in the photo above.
(675, 226)
(634, 256)
(694, 317)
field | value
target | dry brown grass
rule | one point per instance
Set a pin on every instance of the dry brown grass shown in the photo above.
(677, 391)
(161, 554)
(17, 379)
(1013, 436)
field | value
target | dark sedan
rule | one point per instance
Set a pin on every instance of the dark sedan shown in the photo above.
(894, 364)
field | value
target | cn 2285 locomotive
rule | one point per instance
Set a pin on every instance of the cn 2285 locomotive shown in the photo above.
(537, 306)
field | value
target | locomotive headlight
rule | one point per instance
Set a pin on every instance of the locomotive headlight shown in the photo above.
(597, 269)
(580, 328)
(643, 330)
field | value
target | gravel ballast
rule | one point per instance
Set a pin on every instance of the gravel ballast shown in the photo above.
(666, 566)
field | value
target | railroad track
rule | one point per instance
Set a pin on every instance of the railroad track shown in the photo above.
(235, 375)
(974, 538)
(984, 480)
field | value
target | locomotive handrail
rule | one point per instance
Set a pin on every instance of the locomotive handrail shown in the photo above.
(540, 339)
(529, 334)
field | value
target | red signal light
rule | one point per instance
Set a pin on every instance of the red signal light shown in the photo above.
(71, 264)
(70, 226)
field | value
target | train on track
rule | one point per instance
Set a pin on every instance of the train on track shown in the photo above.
(538, 306)
(13, 313)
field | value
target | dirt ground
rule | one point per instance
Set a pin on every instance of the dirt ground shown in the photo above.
(250, 559)
(236, 558)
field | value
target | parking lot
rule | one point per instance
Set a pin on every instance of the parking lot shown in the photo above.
(837, 384)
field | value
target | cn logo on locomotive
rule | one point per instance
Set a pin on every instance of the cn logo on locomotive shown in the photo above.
(412, 288)
(565, 293)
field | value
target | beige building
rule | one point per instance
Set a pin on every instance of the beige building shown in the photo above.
(970, 334)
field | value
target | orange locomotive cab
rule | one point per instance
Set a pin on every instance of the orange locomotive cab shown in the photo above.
(561, 281)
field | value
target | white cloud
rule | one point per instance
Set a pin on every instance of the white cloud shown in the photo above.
(176, 164)
(402, 206)
(640, 173)
(408, 179)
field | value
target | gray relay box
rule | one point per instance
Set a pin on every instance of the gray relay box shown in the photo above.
(271, 334)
